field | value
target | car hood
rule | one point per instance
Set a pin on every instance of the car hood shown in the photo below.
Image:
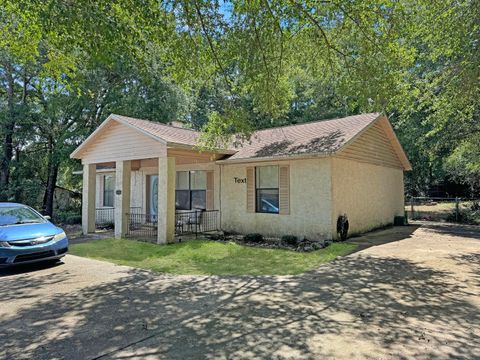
(27, 231)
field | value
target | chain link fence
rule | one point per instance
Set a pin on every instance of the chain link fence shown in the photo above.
(454, 209)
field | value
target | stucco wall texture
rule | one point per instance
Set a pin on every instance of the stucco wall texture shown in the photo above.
(370, 195)
(310, 201)
(321, 189)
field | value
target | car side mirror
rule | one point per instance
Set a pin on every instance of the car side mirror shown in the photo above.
(47, 217)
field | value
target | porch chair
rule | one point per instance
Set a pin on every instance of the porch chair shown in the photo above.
(193, 218)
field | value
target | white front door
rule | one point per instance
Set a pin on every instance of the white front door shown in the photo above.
(153, 197)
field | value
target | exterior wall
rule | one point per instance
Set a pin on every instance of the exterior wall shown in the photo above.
(122, 143)
(310, 201)
(321, 189)
(136, 193)
(370, 195)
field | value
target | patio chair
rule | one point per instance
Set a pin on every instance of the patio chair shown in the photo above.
(190, 219)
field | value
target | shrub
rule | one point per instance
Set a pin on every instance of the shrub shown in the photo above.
(254, 238)
(73, 219)
(290, 240)
(475, 206)
(67, 217)
(465, 216)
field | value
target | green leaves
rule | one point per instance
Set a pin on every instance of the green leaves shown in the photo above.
(248, 64)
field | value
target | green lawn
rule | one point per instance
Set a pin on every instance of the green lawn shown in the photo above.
(202, 257)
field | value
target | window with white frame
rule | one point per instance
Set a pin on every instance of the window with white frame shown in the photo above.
(108, 190)
(266, 189)
(190, 190)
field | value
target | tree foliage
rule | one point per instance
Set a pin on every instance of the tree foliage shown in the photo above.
(233, 66)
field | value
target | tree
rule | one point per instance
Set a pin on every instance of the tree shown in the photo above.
(238, 65)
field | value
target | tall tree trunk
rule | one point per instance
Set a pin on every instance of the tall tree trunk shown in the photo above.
(52, 175)
(8, 128)
(50, 189)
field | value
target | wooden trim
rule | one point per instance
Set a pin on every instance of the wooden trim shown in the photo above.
(251, 189)
(209, 194)
(136, 164)
(284, 189)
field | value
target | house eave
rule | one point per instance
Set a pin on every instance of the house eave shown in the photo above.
(276, 158)
(174, 145)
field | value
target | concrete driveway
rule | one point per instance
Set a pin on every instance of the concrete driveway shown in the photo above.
(410, 293)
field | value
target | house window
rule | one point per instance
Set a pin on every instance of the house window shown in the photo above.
(266, 188)
(108, 190)
(191, 189)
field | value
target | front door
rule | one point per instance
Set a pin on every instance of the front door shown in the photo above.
(153, 201)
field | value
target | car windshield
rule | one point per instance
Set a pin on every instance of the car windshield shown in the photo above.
(13, 215)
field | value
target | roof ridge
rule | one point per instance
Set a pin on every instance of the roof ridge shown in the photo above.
(255, 131)
(316, 121)
(156, 123)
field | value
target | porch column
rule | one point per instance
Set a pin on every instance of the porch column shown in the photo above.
(122, 197)
(166, 200)
(88, 198)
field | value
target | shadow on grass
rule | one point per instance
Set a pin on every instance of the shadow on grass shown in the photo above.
(205, 257)
(247, 316)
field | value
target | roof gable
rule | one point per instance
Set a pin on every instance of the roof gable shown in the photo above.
(319, 137)
(165, 134)
(116, 141)
(104, 127)
(376, 144)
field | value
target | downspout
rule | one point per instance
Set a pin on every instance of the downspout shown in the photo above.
(220, 196)
(333, 204)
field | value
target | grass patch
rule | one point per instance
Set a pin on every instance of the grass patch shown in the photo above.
(203, 257)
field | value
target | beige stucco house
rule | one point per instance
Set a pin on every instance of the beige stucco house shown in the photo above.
(293, 179)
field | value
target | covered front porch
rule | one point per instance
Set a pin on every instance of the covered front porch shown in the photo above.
(128, 219)
(135, 198)
(148, 180)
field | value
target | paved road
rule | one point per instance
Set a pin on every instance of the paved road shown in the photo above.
(409, 293)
